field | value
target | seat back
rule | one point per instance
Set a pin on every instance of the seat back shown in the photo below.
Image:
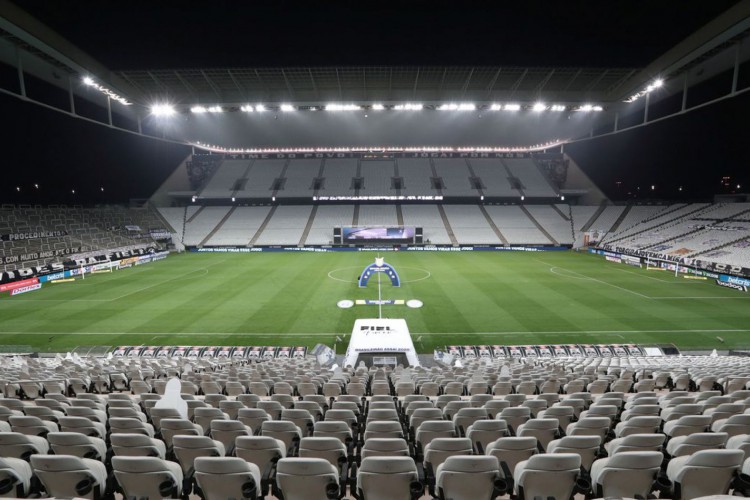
(147, 477)
(547, 475)
(628, 474)
(584, 446)
(707, 472)
(305, 478)
(67, 476)
(387, 478)
(259, 450)
(188, 448)
(512, 450)
(467, 476)
(220, 478)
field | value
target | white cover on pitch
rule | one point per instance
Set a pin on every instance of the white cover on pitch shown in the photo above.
(380, 336)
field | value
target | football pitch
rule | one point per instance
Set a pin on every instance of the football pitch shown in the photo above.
(291, 299)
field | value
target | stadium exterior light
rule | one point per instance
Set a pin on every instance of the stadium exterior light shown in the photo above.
(539, 106)
(496, 107)
(198, 109)
(215, 109)
(233, 199)
(448, 107)
(247, 108)
(378, 107)
(260, 108)
(163, 110)
(87, 80)
(523, 198)
(586, 108)
(557, 107)
(562, 198)
(194, 198)
(286, 108)
(512, 107)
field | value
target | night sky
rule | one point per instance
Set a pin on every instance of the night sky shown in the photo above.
(61, 154)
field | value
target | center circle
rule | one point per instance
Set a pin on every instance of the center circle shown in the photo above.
(334, 274)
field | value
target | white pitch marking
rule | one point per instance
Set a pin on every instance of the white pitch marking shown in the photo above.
(429, 274)
(296, 334)
(593, 279)
(659, 279)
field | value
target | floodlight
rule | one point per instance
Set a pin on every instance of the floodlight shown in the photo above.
(198, 109)
(378, 107)
(232, 199)
(247, 108)
(194, 198)
(562, 198)
(448, 107)
(597, 108)
(467, 106)
(287, 108)
(658, 83)
(163, 110)
(88, 80)
(408, 107)
(496, 107)
(342, 107)
(512, 107)
(586, 108)
(259, 108)
(18, 188)
(215, 109)
(523, 198)
(539, 106)
(557, 107)
(36, 186)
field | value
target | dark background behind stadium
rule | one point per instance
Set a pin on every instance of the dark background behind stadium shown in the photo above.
(61, 154)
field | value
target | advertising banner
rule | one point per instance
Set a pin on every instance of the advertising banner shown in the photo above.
(18, 284)
(27, 288)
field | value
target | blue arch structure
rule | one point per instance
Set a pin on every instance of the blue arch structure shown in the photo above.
(379, 267)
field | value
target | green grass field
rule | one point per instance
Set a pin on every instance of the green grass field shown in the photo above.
(290, 299)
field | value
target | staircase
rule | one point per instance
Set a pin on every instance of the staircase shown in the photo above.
(493, 225)
(262, 226)
(619, 220)
(593, 218)
(308, 226)
(447, 224)
(538, 226)
(218, 226)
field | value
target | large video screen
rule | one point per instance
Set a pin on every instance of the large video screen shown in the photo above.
(373, 234)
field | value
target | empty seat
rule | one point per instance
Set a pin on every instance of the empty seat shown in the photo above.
(547, 475)
(739, 442)
(337, 429)
(636, 442)
(469, 477)
(285, 431)
(220, 478)
(388, 478)
(514, 416)
(704, 473)
(563, 414)
(384, 429)
(148, 477)
(253, 418)
(467, 416)
(385, 447)
(171, 427)
(17, 445)
(137, 445)
(687, 445)
(130, 425)
(78, 445)
(204, 417)
(306, 478)
(687, 424)
(512, 450)
(433, 429)
(543, 429)
(439, 449)
(226, 431)
(637, 425)
(32, 426)
(68, 476)
(83, 425)
(259, 450)
(15, 478)
(486, 431)
(327, 448)
(586, 447)
(628, 474)
(590, 426)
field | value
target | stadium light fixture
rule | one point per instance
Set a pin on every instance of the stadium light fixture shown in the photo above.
(586, 108)
(111, 94)
(163, 110)
(18, 188)
(658, 83)
(378, 107)
(260, 108)
(198, 109)
(233, 199)
(286, 108)
(247, 108)
(512, 107)
(557, 107)
(496, 107)
(342, 107)
(523, 198)
(562, 198)
(193, 199)
(408, 107)
(539, 107)
(215, 109)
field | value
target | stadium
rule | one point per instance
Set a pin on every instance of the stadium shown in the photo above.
(489, 253)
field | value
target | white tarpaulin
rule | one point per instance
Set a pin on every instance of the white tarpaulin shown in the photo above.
(381, 336)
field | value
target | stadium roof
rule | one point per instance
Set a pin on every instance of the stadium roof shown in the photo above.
(383, 83)
(49, 56)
